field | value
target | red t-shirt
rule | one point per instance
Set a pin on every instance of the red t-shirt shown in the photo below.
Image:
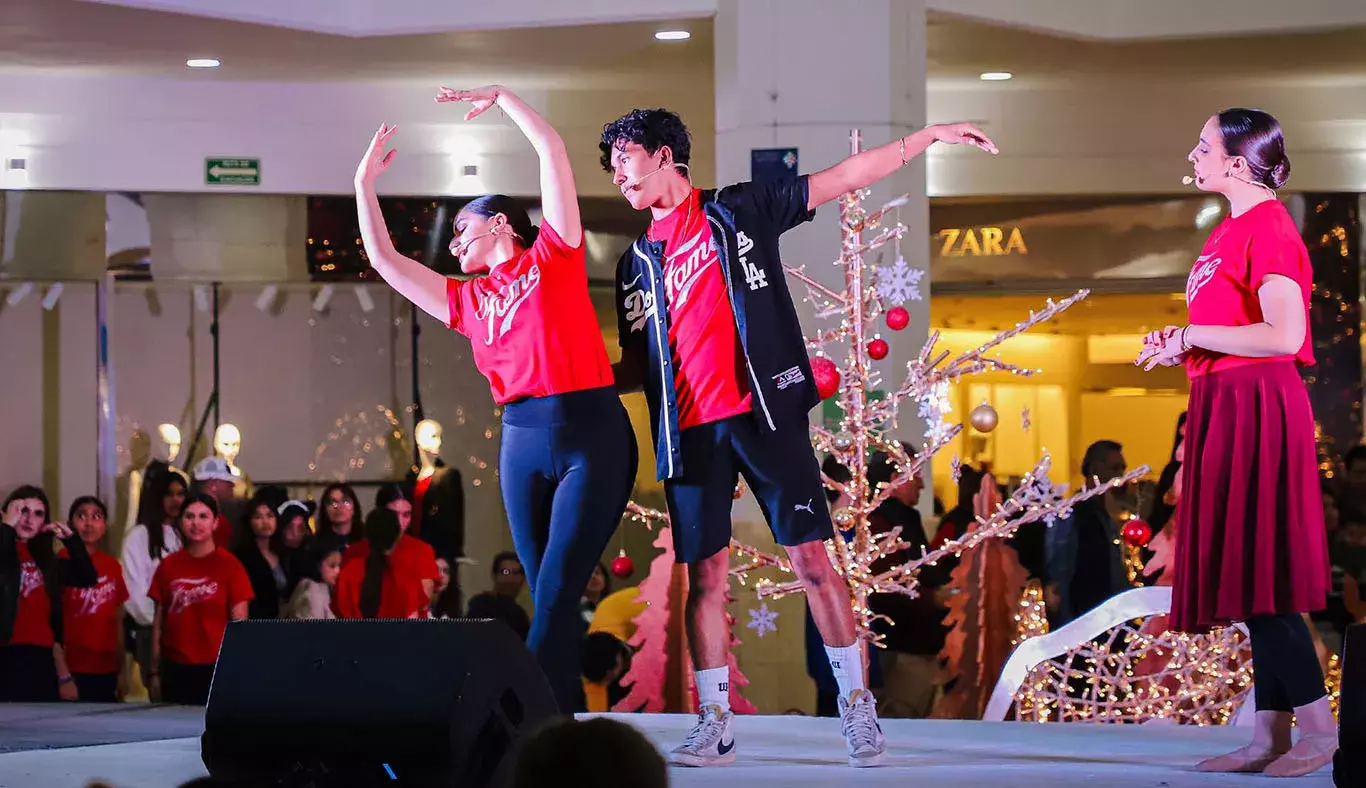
(32, 619)
(197, 595)
(415, 556)
(531, 323)
(401, 594)
(92, 619)
(1222, 287)
(709, 364)
(222, 533)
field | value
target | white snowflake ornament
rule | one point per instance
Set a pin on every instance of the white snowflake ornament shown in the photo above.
(762, 620)
(899, 283)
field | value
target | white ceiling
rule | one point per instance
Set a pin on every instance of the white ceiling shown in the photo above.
(963, 49)
(102, 39)
(99, 38)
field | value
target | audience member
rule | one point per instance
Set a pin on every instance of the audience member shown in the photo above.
(381, 585)
(312, 598)
(197, 591)
(597, 751)
(34, 578)
(92, 618)
(501, 602)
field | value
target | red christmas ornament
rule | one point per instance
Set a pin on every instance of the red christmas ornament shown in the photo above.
(1136, 532)
(877, 349)
(827, 376)
(898, 318)
(623, 566)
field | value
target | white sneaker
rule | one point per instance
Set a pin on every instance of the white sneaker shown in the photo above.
(858, 718)
(711, 742)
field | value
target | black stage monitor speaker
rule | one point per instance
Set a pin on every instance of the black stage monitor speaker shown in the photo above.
(374, 702)
(1349, 765)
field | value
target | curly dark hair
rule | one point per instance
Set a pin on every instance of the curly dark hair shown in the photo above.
(652, 129)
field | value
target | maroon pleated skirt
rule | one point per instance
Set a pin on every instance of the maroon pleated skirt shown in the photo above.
(1250, 538)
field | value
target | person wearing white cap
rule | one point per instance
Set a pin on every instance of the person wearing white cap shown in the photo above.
(213, 476)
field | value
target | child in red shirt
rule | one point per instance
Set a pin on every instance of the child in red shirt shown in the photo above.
(197, 591)
(92, 618)
(1251, 546)
(379, 586)
(30, 598)
(568, 455)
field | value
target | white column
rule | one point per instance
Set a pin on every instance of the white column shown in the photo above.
(803, 73)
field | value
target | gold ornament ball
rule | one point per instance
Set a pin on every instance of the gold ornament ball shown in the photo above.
(844, 441)
(984, 418)
(843, 518)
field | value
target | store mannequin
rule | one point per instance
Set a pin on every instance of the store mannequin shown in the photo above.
(128, 490)
(227, 443)
(438, 497)
(428, 435)
(170, 435)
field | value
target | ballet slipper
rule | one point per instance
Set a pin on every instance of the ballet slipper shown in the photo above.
(1247, 759)
(1311, 753)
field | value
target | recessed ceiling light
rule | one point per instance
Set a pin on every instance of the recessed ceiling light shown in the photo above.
(996, 76)
(203, 62)
(673, 35)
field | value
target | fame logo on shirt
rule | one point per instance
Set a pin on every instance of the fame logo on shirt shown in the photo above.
(1205, 269)
(96, 597)
(189, 591)
(504, 303)
(30, 579)
(686, 265)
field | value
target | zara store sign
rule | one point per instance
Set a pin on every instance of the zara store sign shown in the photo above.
(981, 242)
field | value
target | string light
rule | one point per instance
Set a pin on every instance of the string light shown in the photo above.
(1031, 620)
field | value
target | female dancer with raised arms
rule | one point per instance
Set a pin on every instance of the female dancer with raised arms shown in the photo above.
(568, 455)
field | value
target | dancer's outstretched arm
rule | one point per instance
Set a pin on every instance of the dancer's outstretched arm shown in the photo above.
(413, 280)
(870, 166)
(559, 198)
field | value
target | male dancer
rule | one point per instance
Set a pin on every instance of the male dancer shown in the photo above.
(708, 328)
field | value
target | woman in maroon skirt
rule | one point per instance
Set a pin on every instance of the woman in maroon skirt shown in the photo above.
(1251, 545)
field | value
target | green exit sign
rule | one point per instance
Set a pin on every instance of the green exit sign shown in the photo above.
(232, 172)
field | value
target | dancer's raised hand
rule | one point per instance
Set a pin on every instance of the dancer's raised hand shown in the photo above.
(481, 98)
(376, 160)
(963, 134)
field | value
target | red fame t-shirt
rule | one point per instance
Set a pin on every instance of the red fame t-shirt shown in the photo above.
(415, 556)
(401, 594)
(709, 364)
(32, 619)
(92, 619)
(531, 323)
(1222, 287)
(197, 595)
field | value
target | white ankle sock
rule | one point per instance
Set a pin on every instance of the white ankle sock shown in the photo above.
(713, 687)
(847, 665)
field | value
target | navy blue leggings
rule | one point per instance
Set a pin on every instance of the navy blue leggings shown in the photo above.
(566, 466)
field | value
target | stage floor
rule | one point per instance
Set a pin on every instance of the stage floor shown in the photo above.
(137, 746)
